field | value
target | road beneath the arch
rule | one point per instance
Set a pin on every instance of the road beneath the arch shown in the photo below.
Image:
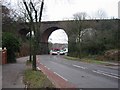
(79, 74)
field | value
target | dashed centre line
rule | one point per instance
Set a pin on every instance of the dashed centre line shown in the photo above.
(80, 67)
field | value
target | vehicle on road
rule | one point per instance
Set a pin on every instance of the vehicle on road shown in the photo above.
(54, 51)
(57, 51)
(62, 52)
(65, 51)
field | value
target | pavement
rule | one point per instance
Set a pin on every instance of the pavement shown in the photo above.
(12, 74)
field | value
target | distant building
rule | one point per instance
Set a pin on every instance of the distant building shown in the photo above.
(119, 9)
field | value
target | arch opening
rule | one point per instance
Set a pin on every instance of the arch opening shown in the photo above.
(55, 37)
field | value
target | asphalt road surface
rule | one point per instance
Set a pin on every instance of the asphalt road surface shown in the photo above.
(83, 75)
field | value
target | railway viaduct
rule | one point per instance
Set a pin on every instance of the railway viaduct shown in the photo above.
(47, 27)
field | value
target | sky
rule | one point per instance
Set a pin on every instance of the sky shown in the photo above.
(58, 36)
(119, 10)
(64, 9)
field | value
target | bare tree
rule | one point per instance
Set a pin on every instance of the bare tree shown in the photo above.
(79, 19)
(80, 16)
(101, 14)
(34, 18)
(12, 11)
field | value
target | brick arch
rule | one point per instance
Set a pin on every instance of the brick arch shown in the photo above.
(47, 33)
(23, 31)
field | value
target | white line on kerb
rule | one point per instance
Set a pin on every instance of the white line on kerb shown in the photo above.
(106, 74)
(61, 76)
(47, 68)
(41, 63)
(38, 68)
(79, 66)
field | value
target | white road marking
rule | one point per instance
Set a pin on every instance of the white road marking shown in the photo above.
(60, 76)
(41, 63)
(38, 68)
(108, 73)
(105, 74)
(80, 67)
(47, 67)
(53, 62)
(115, 74)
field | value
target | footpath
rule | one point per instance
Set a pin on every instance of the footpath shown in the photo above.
(12, 74)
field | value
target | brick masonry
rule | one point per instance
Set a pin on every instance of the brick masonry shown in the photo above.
(4, 56)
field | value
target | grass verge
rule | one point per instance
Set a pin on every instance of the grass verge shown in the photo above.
(36, 79)
(87, 60)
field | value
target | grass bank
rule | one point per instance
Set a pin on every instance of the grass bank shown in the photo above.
(36, 79)
(87, 60)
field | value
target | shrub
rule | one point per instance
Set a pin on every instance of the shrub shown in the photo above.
(12, 44)
(112, 54)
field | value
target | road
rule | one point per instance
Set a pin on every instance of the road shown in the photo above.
(83, 75)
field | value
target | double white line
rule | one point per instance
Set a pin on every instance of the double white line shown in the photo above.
(101, 72)
(107, 74)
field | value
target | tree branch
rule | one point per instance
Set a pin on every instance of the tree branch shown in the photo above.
(34, 10)
(41, 9)
(29, 13)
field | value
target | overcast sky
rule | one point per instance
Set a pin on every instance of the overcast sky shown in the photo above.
(64, 9)
(58, 36)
